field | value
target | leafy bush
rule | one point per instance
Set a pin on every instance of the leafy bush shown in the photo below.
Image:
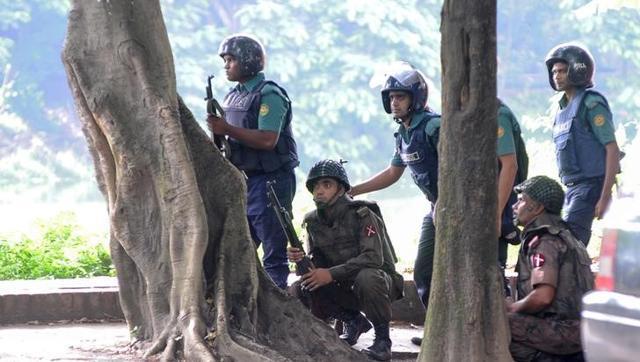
(59, 251)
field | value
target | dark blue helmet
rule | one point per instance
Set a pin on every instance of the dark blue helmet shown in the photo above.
(247, 50)
(405, 77)
(580, 64)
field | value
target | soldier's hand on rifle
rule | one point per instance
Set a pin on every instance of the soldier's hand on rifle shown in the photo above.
(316, 278)
(217, 125)
(294, 254)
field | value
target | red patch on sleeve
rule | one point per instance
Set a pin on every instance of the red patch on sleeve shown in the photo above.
(370, 230)
(537, 260)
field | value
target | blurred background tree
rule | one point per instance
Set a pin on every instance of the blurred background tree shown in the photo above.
(330, 56)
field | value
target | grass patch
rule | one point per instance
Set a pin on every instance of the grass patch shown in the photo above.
(58, 250)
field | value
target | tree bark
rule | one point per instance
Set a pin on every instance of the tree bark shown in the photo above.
(191, 286)
(466, 319)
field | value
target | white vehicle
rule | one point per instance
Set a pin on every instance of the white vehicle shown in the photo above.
(611, 313)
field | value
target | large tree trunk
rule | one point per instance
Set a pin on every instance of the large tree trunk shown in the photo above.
(466, 319)
(190, 282)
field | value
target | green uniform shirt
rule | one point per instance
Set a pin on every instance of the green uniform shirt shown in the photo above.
(598, 115)
(506, 123)
(431, 130)
(273, 104)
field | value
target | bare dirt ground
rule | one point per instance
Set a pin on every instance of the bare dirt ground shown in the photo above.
(67, 342)
(109, 341)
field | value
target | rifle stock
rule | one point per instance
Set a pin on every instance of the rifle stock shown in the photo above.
(304, 265)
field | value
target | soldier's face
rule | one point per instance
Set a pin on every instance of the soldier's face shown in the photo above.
(400, 103)
(325, 191)
(232, 68)
(559, 72)
(526, 209)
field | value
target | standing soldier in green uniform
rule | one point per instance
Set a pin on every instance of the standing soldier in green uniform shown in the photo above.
(513, 164)
(258, 124)
(586, 150)
(404, 96)
(353, 258)
(553, 274)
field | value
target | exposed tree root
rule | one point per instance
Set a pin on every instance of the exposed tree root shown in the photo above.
(191, 285)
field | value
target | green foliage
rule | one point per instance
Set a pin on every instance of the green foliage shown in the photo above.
(327, 54)
(59, 251)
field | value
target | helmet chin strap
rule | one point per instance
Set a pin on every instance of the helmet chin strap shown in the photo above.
(409, 113)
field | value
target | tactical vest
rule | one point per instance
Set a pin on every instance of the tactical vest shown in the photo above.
(241, 110)
(579, 154)
(420, 154)
(574, 274)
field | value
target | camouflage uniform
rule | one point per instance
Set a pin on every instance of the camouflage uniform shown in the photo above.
(350, 240)
(550, 255)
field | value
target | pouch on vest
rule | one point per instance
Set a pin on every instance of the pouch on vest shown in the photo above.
(583, 261)
(565, 156)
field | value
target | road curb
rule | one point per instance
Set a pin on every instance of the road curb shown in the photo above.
(23, 301)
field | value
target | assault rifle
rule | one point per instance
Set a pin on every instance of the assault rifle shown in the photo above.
(214, 108)
(303, 266)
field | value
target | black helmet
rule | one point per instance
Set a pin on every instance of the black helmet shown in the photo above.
(580, 64)
(328, 168)
(544, 190)
(405, 77)
(247, 50)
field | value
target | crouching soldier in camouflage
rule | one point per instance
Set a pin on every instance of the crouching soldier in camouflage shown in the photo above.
(553, 275)
(353, 258)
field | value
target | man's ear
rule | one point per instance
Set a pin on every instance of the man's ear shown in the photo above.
(538, 209)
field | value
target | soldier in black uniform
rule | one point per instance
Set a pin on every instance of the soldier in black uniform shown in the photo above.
(553, 274)
(353, 257)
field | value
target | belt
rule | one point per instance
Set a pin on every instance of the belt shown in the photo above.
(584, 180)
(254, 173)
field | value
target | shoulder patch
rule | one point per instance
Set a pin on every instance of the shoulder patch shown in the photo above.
(500, 132)
(370, 230)
(264, 109)
(599, 120)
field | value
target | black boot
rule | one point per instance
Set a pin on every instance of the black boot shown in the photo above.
(416, 340)
(381, 348)
(354, 328)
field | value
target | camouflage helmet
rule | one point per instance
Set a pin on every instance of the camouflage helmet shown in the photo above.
(405, 77)
(580, 64)
(544, 190)
(328, 168)
(247, 50)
